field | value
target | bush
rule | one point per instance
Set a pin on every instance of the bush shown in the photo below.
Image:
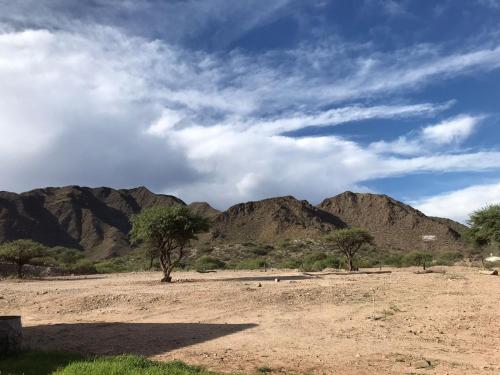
(262, 249)
(417, 258)
(291, 263)
(313, 264)
(208, 263)
(82, 267)
(449, 258)
(251, 264)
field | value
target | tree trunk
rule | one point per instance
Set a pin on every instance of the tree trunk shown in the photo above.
(19, 270)
(11, 335)
(166, 275)
(166, 268)
(349, 261)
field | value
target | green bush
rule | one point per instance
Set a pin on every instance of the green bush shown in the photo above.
(449, 258)
(291, 263)
(82, 267)
(251, 264)
(316, 263)
(208, 263)
(262, 249)
(417, 258)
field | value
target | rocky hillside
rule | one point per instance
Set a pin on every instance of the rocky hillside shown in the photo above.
(203, 209)
(94, 220)
(271, 220)
(394, 225)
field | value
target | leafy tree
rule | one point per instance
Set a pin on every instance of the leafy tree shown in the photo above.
(349, 242)
(167, 232)
(418, 258)
(21, 252)
(484, 231)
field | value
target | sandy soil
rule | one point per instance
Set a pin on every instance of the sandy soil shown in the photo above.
(240, 321)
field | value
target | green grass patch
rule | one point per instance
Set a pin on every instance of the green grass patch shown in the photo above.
(50, 363)
(36, 363)
(130, 365)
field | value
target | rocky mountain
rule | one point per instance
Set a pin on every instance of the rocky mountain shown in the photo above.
(203, 209)
(94, 220)
(97, 220)
(394, 224)
(271, 220)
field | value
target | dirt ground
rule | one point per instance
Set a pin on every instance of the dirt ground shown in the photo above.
(234, 321)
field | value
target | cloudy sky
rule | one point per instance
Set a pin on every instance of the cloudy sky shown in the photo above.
(228, 101)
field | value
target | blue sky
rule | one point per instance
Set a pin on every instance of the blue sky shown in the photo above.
(227, 101)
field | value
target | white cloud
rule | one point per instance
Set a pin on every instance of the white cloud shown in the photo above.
(459, 204)
(453, 130)
(99, 107)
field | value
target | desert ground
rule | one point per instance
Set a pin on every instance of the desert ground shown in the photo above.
(239, 321)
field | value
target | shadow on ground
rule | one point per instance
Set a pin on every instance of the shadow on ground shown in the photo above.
(124, 338)
(269, 278)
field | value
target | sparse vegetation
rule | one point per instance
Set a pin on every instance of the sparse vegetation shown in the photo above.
(167, 232)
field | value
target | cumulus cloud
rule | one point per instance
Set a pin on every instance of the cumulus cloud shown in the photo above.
(459, 204)
(102, 107)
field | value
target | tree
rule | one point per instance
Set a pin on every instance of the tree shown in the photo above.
(167, 232)
(21, 252)
(484, 231)
(349, 242)
(418, 258)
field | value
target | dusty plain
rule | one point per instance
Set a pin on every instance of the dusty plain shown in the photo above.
(240, 321)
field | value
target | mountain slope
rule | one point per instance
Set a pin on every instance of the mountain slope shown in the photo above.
(272, 219)
(95, 220)
(394, 225)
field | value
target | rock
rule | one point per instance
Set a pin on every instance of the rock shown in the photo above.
(259, 285)
(277, 280)
(11, 334)
(423, 363)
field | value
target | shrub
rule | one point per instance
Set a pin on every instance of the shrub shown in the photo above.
(449, 258)
(251, 264)
(292, 263)
(318, 262)
(417, 258)
(82, 267)
(262, 249)
(208, 263)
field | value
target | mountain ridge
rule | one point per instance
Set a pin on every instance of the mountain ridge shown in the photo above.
(97, 220)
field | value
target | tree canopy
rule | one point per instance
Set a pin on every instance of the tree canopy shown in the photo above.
(485, 226)
(167, 230)
(349, 241)
(21, 252)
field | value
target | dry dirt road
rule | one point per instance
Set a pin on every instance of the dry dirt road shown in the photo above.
(225, 321)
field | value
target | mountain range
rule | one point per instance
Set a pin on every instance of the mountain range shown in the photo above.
(97, 220)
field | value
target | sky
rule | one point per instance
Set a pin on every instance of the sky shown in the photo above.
(229, 101)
